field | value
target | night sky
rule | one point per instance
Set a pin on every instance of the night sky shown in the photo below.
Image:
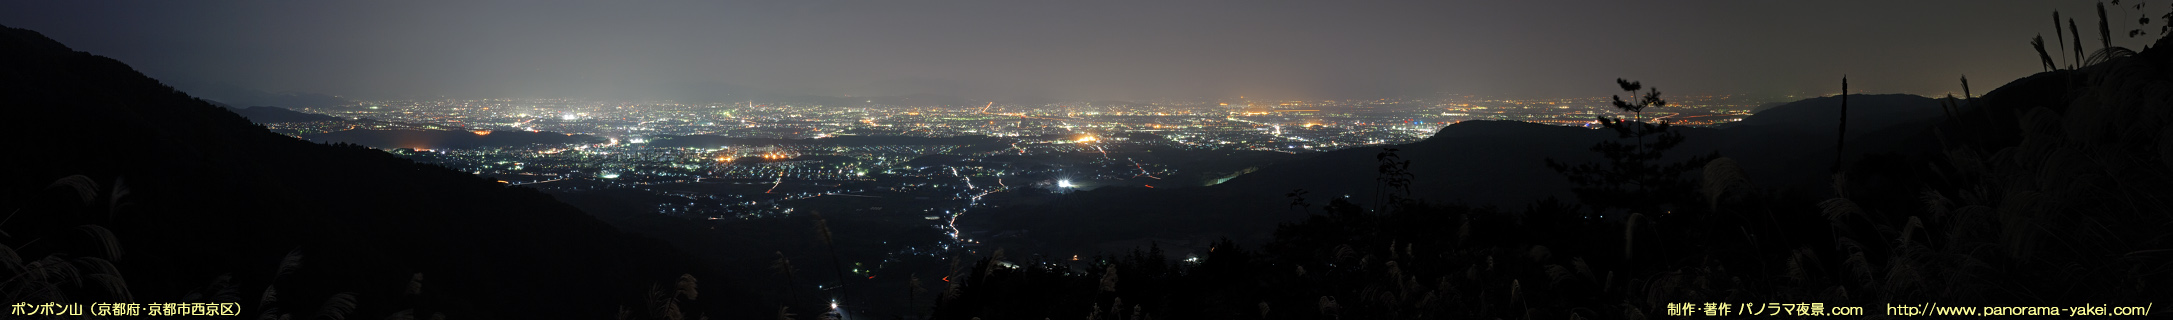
(1066, 49)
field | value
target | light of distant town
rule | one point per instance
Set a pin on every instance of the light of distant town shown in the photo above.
(1066, 183)
(481, 132)
(568, 117)
(1087, 138)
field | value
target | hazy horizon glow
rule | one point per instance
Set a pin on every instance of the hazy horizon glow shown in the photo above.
(1065, 50)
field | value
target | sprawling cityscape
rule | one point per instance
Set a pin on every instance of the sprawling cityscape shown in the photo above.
(968, 160)
(755, 159)
(915, 165)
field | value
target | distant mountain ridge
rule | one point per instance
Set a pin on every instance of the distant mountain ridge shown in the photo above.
(269, 114)
(2050, 190)
(444, 139)
(1824, 113)
(192, 192)
(238, 95)
(1481, 162)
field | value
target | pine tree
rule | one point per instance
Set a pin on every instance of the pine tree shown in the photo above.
(1633, 178)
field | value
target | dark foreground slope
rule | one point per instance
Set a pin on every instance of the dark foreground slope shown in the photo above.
(2050, 192)
(191, 203)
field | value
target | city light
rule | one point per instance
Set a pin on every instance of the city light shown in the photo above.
(933, 156)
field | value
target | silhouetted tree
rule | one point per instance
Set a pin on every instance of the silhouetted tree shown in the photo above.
(1393, 186)
(1632, 177)
(1297, 199)
(232, 208)
(1986, 221)
(2140, 22)
(2168, 27)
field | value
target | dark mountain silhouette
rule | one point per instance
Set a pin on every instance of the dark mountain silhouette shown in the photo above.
(1781, 144)
(2047, 191)
(1498, 163)
(1818, 115)
(1818, 111)
(202, 206)
(435, 139)
(268, 114)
